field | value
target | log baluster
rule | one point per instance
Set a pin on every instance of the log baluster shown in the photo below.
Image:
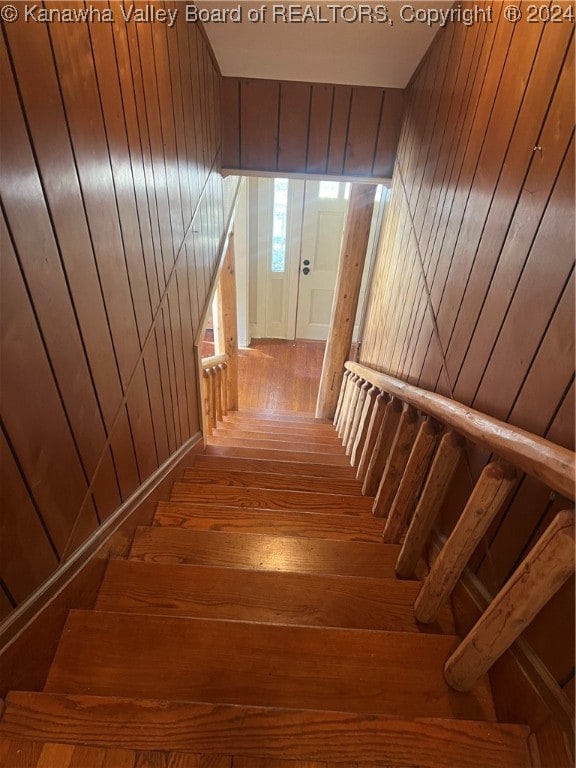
(224, 387)
(207, 400)
(397, 460)
(382, 447)
(364, 389)
(376, 418)
(213, 398)
(338, 410)
(441, 472)
(347, 404)
(411, 482)
(364, 426)
(352, 412)
(545, 569)
(490, 494)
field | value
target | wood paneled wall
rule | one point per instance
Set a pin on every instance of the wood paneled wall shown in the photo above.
(473, 292)
(289, 127)
(111, 224)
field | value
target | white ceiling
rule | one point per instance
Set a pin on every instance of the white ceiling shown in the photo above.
(352, 53)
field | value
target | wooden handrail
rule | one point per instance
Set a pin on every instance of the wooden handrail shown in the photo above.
(411, 463)
(540, 458)
(214, 360)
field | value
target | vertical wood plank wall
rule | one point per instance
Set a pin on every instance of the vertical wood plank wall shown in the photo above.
(290, 127)
(473, 292)
(111, 222)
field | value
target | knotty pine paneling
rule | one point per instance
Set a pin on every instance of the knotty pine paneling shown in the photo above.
(291, 127)
(112, 216)
(473, 290)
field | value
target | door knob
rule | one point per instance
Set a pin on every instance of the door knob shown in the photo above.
(306, 262)
(306, 270)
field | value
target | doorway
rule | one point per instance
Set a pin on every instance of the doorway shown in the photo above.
(294, 229)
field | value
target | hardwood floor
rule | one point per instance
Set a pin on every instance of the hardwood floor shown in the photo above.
(280, 375)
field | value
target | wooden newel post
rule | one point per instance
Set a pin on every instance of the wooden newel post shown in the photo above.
(545, 569)
(346, 294)
(228, 325)
(486, 500)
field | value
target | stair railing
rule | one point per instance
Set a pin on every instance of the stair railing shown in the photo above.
(215, 389)
(407, 444)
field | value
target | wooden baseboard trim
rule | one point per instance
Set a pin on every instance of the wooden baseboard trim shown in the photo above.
(469, 601)
(28, 636)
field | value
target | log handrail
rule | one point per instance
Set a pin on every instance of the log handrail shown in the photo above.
(408, 463)
(536, 456)
(213, 361)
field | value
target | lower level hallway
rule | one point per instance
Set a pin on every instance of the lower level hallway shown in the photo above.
(280, 375)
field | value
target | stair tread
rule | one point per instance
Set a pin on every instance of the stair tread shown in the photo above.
(263, 552)
(267, 596)
(251, 479)
(261, 664)
(280, 523)
(284, 428)
(221, 458)
(273, 433)
(335, 461)
(132, 723)
(278, 416)
(265, 498)
(302, 446)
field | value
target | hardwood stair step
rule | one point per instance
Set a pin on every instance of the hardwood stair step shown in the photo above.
(280, 445)
(285, 523)
(222, 459)
(273, 433)
(237, 479)
(233, 662)
(267, 553)
(258, 732)
(263, 596)
(264, 498)
(279, 427)
(295, 456)
(278, 416)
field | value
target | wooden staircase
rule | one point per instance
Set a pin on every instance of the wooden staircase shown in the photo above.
(258, 621)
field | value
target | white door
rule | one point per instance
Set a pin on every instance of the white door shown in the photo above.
(325, 209)
(295, 233)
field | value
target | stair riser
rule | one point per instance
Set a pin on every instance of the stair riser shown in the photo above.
(260, 596)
